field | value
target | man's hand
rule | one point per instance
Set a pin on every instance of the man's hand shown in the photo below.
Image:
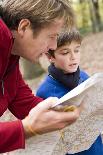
(43, 119)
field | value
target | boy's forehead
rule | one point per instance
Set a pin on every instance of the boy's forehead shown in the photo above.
(68, 45)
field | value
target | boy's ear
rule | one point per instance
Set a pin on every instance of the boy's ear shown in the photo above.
(49, 57)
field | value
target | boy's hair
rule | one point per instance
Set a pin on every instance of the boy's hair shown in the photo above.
(66, 37)
(39, 12)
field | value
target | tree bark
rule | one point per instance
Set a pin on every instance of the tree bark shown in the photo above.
(97, 15)
(92, 16)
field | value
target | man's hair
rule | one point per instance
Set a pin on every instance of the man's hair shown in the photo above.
(67, 37)
(39, 12)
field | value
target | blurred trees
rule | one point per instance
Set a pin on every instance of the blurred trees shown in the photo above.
(89, 14)
(84, 13)
(95, 15)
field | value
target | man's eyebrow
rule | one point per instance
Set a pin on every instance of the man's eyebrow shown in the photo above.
(54, 34)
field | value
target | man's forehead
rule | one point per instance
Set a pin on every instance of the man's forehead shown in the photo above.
(56, 23)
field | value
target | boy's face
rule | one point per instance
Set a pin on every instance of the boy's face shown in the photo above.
(67, 57)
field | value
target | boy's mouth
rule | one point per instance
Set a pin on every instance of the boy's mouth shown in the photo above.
(72, 65)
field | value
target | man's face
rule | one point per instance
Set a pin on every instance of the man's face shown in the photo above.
(67, 57)
(30, 47)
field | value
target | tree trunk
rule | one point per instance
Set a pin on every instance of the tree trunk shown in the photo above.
(92, 16)
(97, 15)
(83, 12)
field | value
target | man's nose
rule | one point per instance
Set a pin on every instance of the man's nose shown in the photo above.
(53, 45)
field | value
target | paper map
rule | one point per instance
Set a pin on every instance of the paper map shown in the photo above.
(80, 135)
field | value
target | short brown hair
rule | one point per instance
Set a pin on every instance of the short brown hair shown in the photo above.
(67, 37)
(39, 12)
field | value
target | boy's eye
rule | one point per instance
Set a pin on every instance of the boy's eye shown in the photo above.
(64, 53)
(76, 51)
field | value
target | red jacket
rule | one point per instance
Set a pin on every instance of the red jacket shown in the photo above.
(15, 95)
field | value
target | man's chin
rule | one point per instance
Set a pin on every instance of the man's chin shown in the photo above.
(36, 60)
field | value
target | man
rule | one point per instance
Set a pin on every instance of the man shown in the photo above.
(28, 29)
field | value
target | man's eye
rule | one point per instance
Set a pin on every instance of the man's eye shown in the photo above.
(53, 37)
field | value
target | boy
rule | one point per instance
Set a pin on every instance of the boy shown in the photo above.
(65, 74)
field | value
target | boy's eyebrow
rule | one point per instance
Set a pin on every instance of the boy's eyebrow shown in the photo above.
(67, 48)
(64, 48)
(78, 46)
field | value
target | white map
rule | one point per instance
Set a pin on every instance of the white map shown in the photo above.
(80, 135)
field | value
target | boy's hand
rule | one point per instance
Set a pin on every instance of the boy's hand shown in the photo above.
(43, 119)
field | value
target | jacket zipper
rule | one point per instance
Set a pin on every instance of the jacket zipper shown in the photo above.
(2, 80)
(2, 87)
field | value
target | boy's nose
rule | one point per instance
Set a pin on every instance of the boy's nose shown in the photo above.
(72, 55)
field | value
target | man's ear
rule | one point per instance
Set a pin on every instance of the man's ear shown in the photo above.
(23, 26)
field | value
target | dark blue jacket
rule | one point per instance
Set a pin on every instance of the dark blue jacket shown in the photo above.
(51, 87)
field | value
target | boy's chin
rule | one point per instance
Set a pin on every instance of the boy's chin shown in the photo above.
(71, 71)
